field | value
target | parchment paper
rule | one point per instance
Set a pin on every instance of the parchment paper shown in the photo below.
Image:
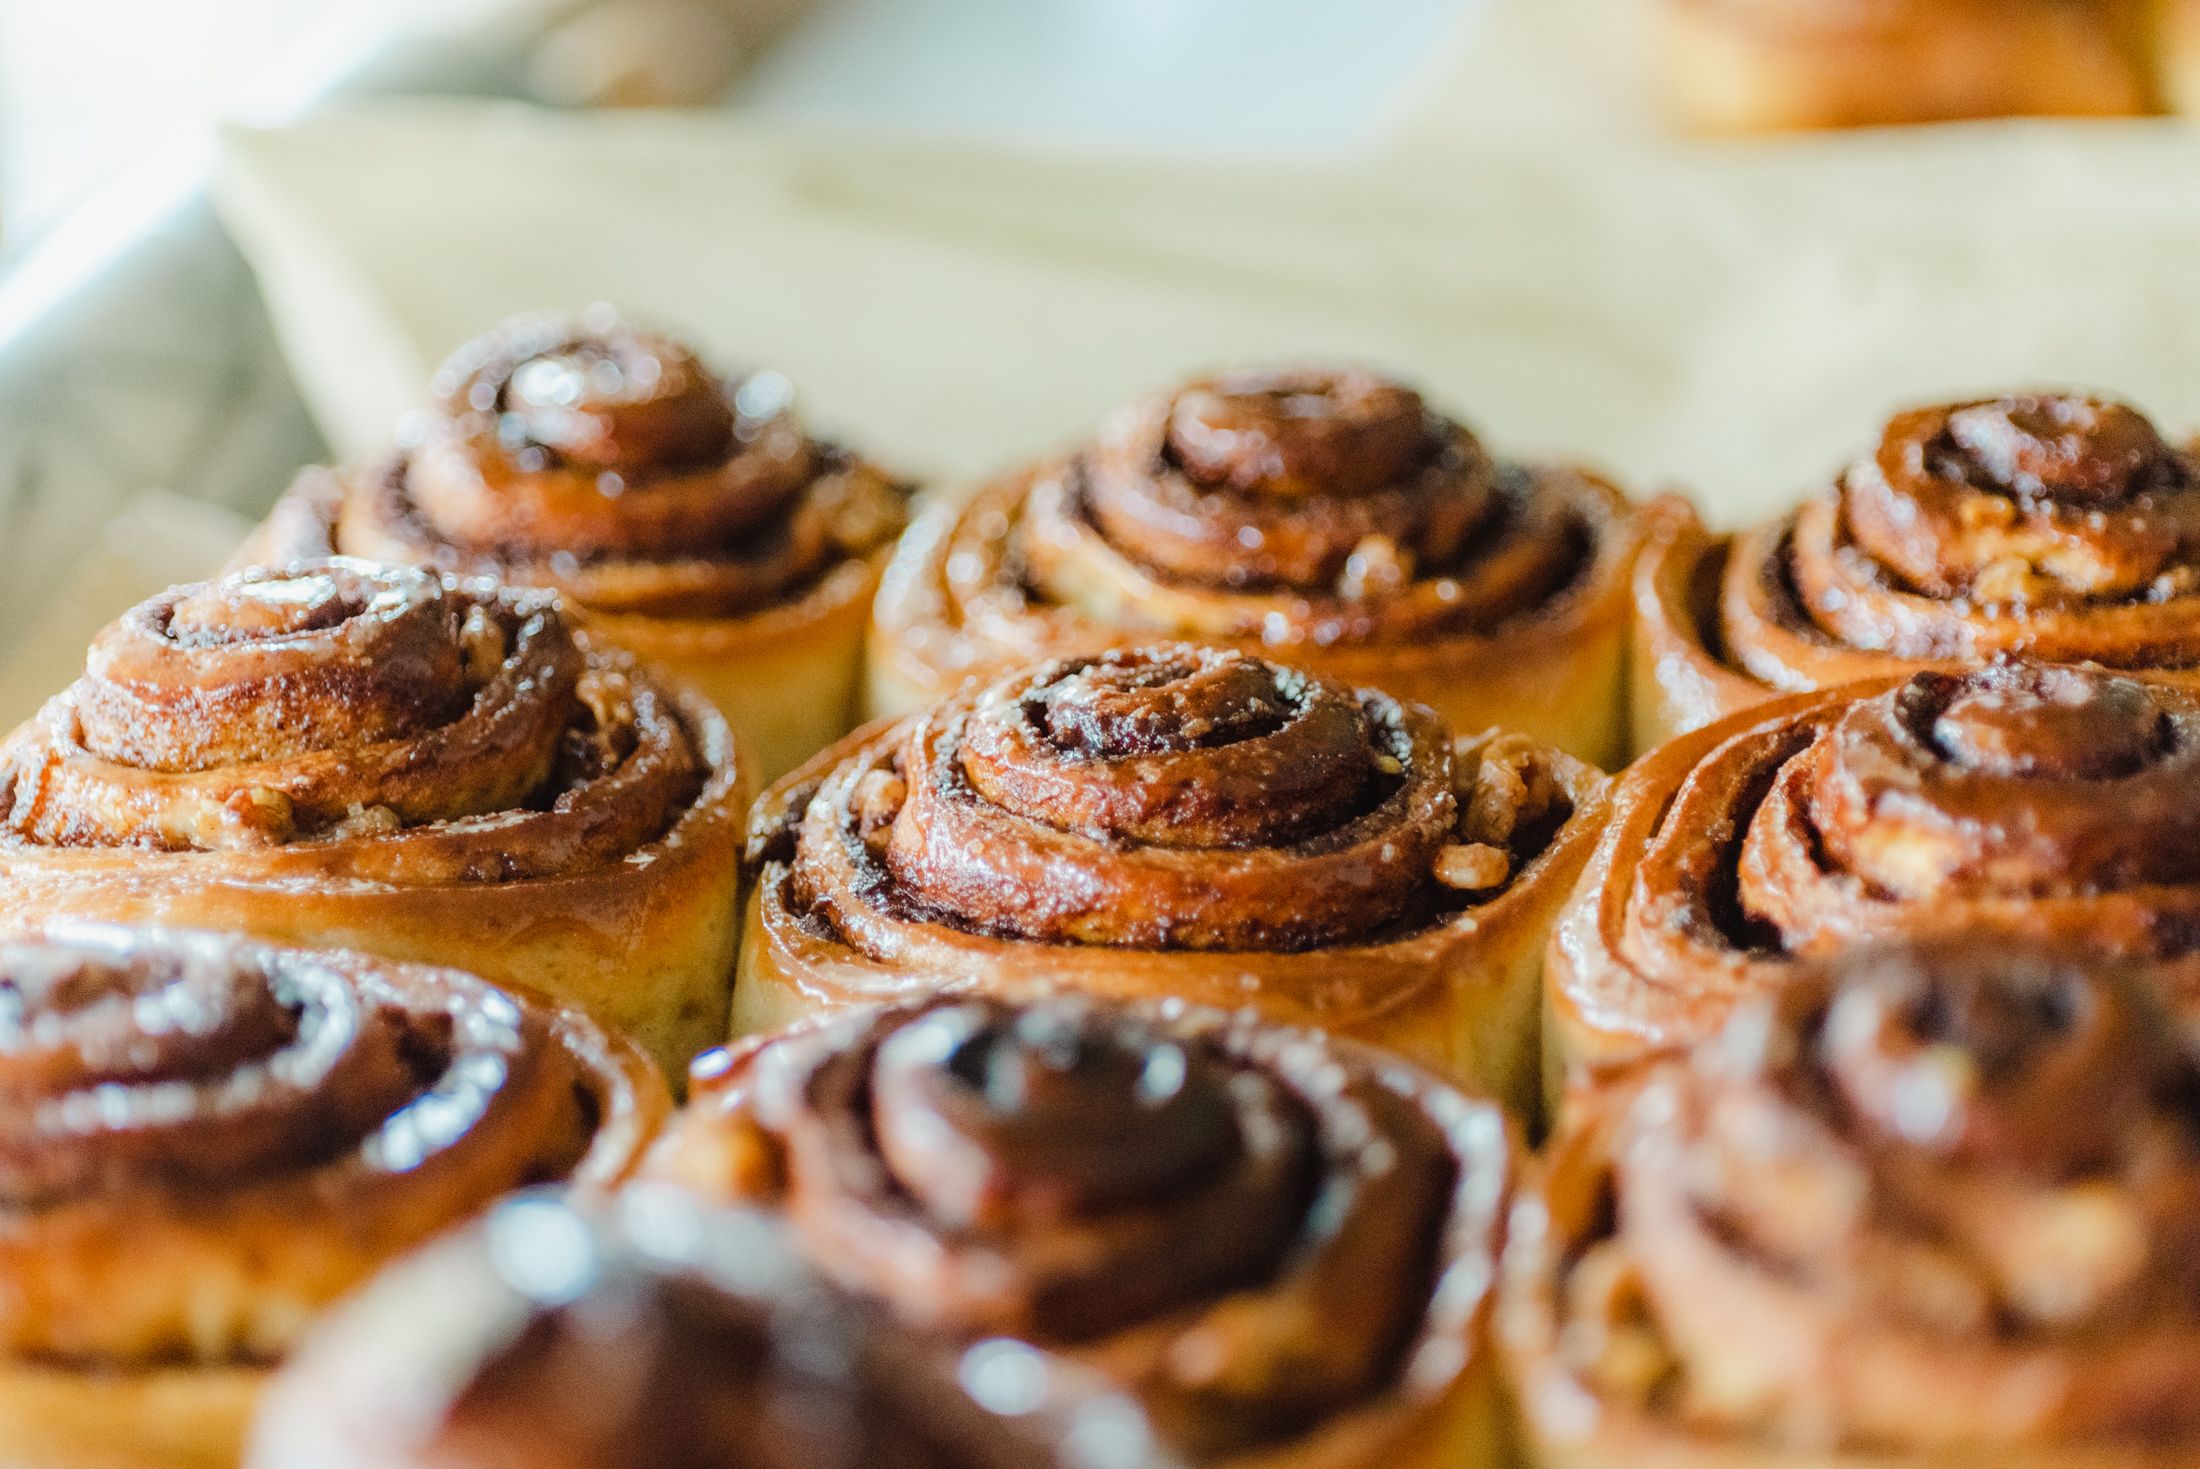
(1736, 319)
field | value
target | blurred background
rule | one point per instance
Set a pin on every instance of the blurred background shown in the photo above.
(144, 401)
(91, 88)
(1549, 237)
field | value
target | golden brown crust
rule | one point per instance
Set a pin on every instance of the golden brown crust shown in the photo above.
(1187, 822)
(1329, 519)
(659, 1333)
(209, 1140)
(2177, 53)
(1679, 677)
(686, 518)
(1771, 65)
(1281, 1244)
(1932, 1204)
(2047, 800)
(2049, 526)
(394, 760)
(176, 1417)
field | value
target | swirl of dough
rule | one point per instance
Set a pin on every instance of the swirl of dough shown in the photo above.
(205, 1141)
(2050, 526)
(1329, 517)
(2051, 800)
(1258, 1232)
(1935, 1196)
(391, 759)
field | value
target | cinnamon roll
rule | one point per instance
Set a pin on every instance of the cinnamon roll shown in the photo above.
(1746, 66)
(391, 760)
(689, 518)
(1933, 1203)
(1187, 822)
(1329, 519)
(2053, 802)
(1280, 1244)
(204, 1142)
(2054, 526)
(654, 1333)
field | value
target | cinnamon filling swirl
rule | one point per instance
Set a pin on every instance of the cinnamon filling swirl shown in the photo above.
(1935, 1197)
(1252, 1230)
(1295, 506)
(204, 1141)
(1162, 798)
(611, 463)
(2052, 800)
(385, 723)
(2057, 526)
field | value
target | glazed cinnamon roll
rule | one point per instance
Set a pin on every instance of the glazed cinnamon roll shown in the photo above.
(2053, 802)
(391, 760)
(1329, 519)
(204, 1142)
(654, 1333)
(1745, 66)
(1279, 1243)
(1933, 1204)
(1187, 822)
(2054, 526)
(689, 518)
